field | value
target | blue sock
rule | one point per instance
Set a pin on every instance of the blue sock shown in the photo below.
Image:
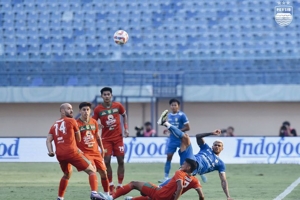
(175, 131)
(167, 168)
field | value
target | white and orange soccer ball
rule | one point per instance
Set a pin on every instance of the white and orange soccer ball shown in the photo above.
(121, 37)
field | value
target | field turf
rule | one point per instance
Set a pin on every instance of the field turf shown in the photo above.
(35, 181)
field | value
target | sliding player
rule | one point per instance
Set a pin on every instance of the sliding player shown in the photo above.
(207, 158)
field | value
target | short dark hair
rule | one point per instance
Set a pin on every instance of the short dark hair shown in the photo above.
(192, 163)
(148, 124)
(286, 123)
(106, 89)
(174, 100)
(84, 104)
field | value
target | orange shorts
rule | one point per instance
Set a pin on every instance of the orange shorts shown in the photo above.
(149, 189)
(114, 147)
(97, 161)
(78, 160)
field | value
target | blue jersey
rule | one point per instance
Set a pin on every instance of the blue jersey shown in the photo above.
(208, 161)
(178, 119)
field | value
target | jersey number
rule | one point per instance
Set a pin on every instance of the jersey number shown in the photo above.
(61, 128)
(185, 184)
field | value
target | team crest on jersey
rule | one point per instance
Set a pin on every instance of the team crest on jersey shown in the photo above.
(283, 13)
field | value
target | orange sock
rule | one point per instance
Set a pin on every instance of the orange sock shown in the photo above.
(120, 178)
(140, 198)
(105, 184)
(93, 182)
(62, 186)
(122, 191)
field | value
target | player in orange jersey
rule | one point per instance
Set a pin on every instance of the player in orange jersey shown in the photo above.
(181, 182)
(89, 131)
(112, 138)
(63, 132)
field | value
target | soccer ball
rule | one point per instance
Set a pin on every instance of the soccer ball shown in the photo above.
(121, 37)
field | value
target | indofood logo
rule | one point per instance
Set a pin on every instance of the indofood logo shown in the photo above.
(270, 150)
(137, 149)
(283, 13)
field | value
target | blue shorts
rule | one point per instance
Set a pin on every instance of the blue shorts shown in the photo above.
(172, 145)
(188, 153)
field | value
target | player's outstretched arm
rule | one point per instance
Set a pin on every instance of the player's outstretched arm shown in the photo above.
(49, 145)
(224, 185)
(179, 190)
(200, 136)
(200, 193)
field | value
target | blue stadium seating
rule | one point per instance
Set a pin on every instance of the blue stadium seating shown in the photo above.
(200, 36)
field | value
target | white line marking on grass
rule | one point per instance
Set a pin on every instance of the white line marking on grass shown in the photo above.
(288, 190)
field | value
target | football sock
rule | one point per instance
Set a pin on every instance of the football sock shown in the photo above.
(122, 191)
(120, 178)
(175, 131)
(105, 184)
(93, 182)
(111, 183)
(109, 176)
(140, 198)
(167, 168)
(62, 187)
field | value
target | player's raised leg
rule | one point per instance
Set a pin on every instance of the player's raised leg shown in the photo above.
(144, 187)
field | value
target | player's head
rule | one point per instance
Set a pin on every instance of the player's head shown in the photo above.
(189, 165)
(217, 147)
(106, 94)
(66, 110)
(85, 109)
(174, 104)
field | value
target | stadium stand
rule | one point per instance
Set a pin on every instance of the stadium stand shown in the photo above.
(54, 42)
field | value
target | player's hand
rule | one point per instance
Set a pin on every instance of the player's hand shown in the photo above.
(166, 131)
(51, 154)
(217, 132)
(126, 134)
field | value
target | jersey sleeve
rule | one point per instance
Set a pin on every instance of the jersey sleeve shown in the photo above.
(195, 183)
(95, 115)
(184, 118)
(51, 131)
(204, 146)
(222, 167)
(122, 109)
(75, 125)
(97, 129)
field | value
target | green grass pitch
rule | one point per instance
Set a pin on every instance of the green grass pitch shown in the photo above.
(34, 181)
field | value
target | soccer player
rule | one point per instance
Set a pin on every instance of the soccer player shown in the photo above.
(63, 132)
(207, 158)
(178, 119)
(89, 132)
(109, 114)
(181, 182)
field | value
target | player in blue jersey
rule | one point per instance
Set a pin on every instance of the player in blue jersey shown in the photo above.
(207, 158)
(178, 119)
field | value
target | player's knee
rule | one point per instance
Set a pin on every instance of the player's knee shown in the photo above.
(169, 157)
(102, 173)
(67, 175)
(185, 138)
(120, 160)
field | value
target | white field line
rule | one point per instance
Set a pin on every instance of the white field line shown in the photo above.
(288, 190)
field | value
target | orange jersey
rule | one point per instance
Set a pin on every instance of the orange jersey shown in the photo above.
(167, 192)
(89, 136)
(63, 132)
(110, 119)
